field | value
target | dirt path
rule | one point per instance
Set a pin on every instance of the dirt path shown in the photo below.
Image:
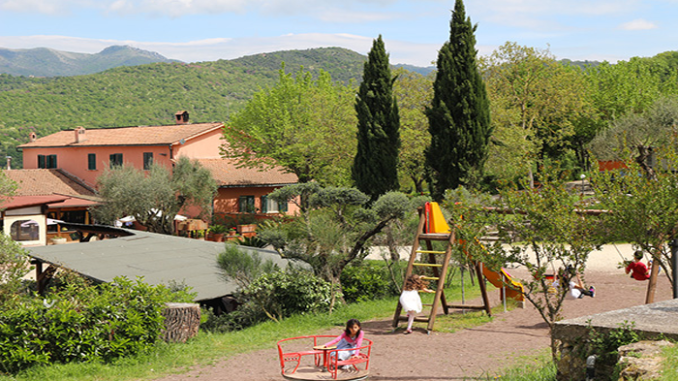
(470, 353)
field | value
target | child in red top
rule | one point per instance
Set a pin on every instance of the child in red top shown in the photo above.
(637, 268)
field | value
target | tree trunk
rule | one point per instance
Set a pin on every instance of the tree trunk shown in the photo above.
(182, 321)
(652, 283)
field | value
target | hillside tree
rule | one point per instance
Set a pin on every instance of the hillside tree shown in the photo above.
(156, 197)
(375, 167)
(459, 115)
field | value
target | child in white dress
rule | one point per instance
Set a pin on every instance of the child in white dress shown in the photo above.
(410, 300)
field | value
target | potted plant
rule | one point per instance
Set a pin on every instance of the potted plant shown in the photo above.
(217, 232)
(199, 235)
(232, 232)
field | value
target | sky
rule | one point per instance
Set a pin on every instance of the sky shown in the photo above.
(413, 30)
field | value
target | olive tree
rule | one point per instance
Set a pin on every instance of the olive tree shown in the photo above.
(154, 199)
(336, 230)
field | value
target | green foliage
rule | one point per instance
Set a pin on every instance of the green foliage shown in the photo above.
(375, 166)
(13, 266)
(536, 105)
(365, 281)
(251, 241)
(413, 93)
(7, 186)
(154, 199)
(301, 124)
(84, 324)
(459, 116)
(218, 229)
(543, 230)
(243, 267)
(336, 231)
(605, 345)
(643, 208)
(286, 293)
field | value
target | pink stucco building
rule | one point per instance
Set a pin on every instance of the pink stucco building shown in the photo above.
(86, 153)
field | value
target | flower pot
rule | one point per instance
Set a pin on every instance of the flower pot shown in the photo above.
(218, 237)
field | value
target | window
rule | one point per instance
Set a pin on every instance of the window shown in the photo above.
(116, 160)
(148, 160)
(92, 161)
(246, 204)
(270, 206)
(25, 230)
(47, 161)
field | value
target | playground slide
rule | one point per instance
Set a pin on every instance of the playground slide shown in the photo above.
(514, 289)
(435, 223)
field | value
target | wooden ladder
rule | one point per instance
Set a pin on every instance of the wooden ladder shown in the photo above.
(439, 272)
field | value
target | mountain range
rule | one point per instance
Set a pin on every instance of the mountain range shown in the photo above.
(44, 62)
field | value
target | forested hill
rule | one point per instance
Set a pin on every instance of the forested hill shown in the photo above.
(43, 62)
(151, 94)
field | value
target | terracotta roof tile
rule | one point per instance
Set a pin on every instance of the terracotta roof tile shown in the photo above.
(25, 201)
(144, 135)
(226, 174)
(42, 182)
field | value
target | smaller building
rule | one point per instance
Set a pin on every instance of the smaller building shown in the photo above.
(45, 198)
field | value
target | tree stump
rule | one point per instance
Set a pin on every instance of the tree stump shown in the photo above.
(182, 321)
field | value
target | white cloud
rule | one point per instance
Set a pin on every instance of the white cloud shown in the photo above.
(638, 24)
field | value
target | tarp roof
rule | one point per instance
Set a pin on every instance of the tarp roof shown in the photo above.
(158, 258)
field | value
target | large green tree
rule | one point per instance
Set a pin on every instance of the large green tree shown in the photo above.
(302, 124)
(156, 197)
(375, 167)
(535, 103)
(459, 116)
(413, 92)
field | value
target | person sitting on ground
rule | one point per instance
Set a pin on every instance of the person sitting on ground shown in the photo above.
(577, 289)
(637, 268)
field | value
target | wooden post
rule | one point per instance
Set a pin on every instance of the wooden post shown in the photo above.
(182, 321)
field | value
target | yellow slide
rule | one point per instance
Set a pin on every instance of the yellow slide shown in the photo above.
(435, 223)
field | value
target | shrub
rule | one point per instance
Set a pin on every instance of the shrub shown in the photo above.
(365, 281)
(84, 324)
(13, 266)
(281, 294)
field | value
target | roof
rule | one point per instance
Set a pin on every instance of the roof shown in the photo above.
(227, 174)
(39, 182)
(126, 136)
(158, 258)
(26, 201)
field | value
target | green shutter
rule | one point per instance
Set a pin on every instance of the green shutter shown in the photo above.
(41, 161)
(264, 204)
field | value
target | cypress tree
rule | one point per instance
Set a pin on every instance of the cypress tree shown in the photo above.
(375, 165)
(459, 115)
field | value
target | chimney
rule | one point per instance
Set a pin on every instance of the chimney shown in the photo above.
(80, 134)
(32, 137)
(181, 117)
(9, 161)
